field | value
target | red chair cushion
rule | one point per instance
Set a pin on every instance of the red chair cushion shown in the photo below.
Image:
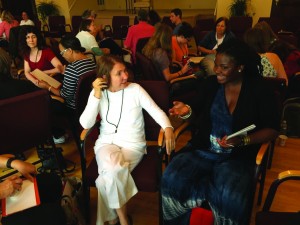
(201, 216)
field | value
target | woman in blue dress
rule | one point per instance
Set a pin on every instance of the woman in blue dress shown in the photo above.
(211, 168)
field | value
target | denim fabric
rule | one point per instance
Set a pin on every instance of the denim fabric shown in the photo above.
(195, 176)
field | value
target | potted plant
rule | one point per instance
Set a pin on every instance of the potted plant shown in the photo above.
(46, 9)
(238, 8)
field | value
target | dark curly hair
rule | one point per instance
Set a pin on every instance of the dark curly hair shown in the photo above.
(242, 54)
(23, 47)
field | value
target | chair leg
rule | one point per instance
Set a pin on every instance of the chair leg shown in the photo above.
(263, 176)
(271, 152)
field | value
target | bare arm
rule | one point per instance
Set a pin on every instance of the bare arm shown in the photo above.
(170, 76)
(58, 67)
(28, 75)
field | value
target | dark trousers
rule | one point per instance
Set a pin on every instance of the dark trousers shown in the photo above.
(49, 212)
(196, 176)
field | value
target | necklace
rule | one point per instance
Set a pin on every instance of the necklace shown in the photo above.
(182, 50)
(115, 125)
(36, 56)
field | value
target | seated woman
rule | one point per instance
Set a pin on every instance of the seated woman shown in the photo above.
(79, 64)
(121, 143)
(87, 38)
(36, 54)
(208, 45)
(180, 42)
(49, 186)
(159, 50)
(8, 22)
(210, 167)
(9, 86)
(272, 65)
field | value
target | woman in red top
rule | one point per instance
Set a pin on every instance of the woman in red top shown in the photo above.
(36, 54)
(8, 22)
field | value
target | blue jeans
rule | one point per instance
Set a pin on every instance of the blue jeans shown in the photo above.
(196, 176)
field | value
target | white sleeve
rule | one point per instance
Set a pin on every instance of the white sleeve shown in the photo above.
(89, 115)
(152, 108)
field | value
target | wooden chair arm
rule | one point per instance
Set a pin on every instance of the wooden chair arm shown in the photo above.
(58, 98)
(192, 76)
(289, 173)
(261, 153)
(83, 134)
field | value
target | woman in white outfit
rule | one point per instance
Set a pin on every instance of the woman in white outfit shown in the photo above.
(121, 143)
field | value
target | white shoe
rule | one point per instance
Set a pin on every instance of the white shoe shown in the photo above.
(59, 140)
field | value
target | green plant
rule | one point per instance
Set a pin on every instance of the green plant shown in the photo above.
(46, 9)
(238, 8)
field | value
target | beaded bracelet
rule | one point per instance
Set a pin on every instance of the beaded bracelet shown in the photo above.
(187, 115)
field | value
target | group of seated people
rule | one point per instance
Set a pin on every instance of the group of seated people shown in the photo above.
(210, 167)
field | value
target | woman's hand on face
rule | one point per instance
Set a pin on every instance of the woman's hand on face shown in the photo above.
(179, 109)
(25, 168)
(169, 139)
(10, 185)
(99, 84)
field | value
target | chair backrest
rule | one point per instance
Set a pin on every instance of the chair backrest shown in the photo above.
(205, 24)
(159, 92)
(276, 23)
(25, 121)
(56, 23)
(84, 87)
(239, 25)
(120, 26)
(75, 22)
(141, 44)
(148, 69)
(278, 85)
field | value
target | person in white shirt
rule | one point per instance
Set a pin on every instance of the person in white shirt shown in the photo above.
(88, 40)
(121, 143)
(25, 20)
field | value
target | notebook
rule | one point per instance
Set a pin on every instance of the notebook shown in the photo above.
(28, 197)
(40, 75)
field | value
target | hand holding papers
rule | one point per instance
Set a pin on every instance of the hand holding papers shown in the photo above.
(28, 197)
(241, 132)
(40, 75)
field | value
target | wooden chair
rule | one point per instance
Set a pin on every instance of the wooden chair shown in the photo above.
(278, 218)
(239, 25)
(278, 86)
(26, 123)
(148, 173)
(120, 25)
(56, 27)
(142, 4)
(75, 22)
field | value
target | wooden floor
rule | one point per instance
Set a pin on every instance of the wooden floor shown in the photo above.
(144, 206)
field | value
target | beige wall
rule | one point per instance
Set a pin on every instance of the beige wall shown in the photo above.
(166, 4)
(68, 8)
(260, 10)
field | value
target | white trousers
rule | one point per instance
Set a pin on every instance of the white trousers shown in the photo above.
(114, 183)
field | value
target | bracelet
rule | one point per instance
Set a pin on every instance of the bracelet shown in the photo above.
(245, 140)
(187, 115)
(49, 89)
(9, 161)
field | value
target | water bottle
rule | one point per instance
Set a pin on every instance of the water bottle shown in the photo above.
(283, 127)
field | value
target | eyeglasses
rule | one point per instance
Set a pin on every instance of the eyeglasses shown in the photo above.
(63, 52)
